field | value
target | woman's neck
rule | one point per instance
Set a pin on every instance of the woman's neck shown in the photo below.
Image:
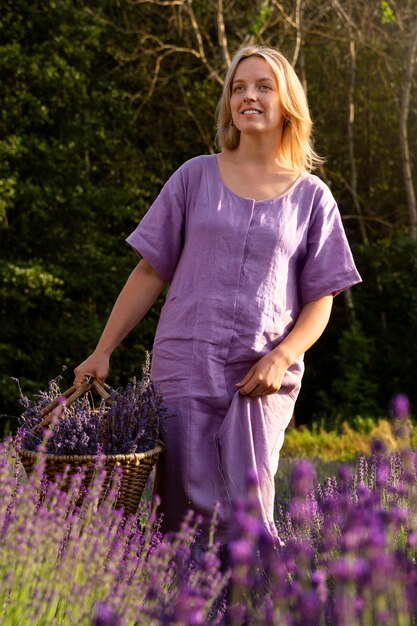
(258, 154)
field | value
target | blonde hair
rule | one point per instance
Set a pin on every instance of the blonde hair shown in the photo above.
(296, 148)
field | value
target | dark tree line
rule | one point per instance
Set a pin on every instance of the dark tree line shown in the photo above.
(102, 101)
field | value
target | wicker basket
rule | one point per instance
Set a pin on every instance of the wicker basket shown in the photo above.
(135, 467)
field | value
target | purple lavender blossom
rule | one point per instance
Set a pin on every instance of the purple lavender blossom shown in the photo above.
(303, 478)
(241, 551)
(105, 616)
(400, 406)
(378, 446)
(400, 412)
(319, 582)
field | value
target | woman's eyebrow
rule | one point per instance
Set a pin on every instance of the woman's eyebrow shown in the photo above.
(258, 80)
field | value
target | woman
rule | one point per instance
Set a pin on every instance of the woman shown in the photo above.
(255, 251)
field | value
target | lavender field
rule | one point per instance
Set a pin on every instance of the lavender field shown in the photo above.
(347, 554)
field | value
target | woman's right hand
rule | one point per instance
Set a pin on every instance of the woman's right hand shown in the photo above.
(96, 365)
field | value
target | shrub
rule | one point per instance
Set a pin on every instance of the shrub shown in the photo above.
(342, 445)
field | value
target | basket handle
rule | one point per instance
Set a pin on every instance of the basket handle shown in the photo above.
(102, 390)
(71, 395)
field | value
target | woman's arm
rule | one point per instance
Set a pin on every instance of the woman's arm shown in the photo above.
(266, 375)
(136, 298)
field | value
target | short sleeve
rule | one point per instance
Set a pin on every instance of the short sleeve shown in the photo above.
(159, 236)
(328, 266)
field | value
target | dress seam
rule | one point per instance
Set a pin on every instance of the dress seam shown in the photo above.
(239, 282)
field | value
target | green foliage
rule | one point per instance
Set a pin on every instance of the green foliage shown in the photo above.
(260, 20)
(351, 391)
(388, 308)
(359, 365)
(342, 444)
(387, 14)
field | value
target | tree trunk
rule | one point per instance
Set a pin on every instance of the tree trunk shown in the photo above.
(405, 148)
(221, 35)
(351, 138)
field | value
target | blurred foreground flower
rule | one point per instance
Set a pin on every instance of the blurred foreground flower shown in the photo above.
(400, 414)
(400, 406)
(105, 616)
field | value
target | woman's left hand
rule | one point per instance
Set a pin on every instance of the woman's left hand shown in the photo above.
(263, 378)
(266, 375)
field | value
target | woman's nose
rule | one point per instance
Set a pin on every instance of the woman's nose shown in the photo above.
(250, 95)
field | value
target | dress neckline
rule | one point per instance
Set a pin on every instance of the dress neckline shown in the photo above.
(274, 198)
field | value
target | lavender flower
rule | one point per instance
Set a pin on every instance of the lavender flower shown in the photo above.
(400, 406)
(303, 478)
(105, 616)
(400, 413)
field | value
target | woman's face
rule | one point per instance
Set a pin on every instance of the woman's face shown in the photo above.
(254, 99)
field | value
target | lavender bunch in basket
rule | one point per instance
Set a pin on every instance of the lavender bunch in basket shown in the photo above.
(75, 428)
(127, 422)
(131, 423)
(32, 408)
(75, 432)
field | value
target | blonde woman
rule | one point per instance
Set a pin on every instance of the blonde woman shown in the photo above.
(254, 249)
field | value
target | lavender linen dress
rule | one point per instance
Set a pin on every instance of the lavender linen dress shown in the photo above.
(240, 272)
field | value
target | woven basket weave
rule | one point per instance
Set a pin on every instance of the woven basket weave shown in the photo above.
(135, 467)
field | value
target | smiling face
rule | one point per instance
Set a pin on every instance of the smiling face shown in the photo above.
(254, 99)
